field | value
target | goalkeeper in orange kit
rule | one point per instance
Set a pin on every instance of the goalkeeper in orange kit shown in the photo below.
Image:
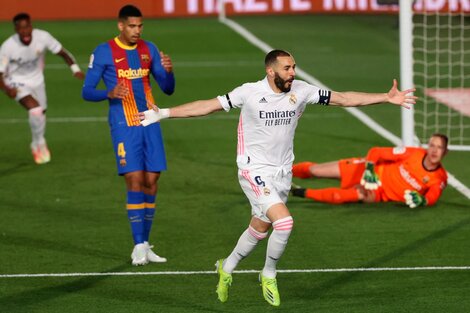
(411, 175)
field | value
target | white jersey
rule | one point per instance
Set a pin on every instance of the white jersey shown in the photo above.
(23, 65)
(268, 121)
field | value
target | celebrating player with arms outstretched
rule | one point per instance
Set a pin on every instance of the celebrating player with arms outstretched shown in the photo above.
(22, 78)
(125, 64)
(270, 110)
(411, 175)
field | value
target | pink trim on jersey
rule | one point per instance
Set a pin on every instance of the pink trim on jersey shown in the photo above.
(241, 139)
(284, 224)
(257, 234)
(253, 185)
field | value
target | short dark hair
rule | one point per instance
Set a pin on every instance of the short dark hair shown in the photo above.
(128, 11)
(444, 138)
(272, 56)
(21, 16)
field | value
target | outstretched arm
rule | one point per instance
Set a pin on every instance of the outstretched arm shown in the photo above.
(394, 96)
(196, 108)
(10, 92)
(70, 60)
(4, 61)
(191, 109)
(385, 154)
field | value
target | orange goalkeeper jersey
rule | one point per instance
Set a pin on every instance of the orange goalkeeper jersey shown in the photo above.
(400, 169)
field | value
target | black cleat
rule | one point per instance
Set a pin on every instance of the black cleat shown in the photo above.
(297, 191)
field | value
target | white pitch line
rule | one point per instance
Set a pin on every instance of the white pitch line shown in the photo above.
(287, 271)
(364, 118)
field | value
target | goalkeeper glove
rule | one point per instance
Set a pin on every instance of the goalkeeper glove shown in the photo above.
(151, 116)
(414, 199)
(370, 180)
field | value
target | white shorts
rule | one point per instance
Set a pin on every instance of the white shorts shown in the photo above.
(38, 92)
(264, 189)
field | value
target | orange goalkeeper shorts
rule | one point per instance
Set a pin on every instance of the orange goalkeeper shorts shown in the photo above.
(351, 171)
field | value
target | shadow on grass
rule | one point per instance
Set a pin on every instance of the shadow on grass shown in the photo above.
(91, 294)
(55, 246)
(15, 168)
(323, 288)
(29, 298)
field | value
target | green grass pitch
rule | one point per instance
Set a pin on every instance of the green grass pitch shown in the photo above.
(69, 216)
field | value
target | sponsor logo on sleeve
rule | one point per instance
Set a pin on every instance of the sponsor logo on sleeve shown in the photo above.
(399, 150)
(92, 58)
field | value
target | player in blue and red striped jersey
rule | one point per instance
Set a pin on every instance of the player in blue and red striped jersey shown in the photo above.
(125, 64)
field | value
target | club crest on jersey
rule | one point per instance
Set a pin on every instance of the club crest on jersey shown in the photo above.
(426, 179)
(145, 58)
(266, 191)
(292, 99)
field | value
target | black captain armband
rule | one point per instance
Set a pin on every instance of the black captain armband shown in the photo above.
(324, 97)
(229, 101)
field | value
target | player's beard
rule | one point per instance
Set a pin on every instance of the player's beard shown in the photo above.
(281, 83)
(26, 37)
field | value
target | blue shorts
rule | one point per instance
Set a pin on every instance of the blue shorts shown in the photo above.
(139, 148)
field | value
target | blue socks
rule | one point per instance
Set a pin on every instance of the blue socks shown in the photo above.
(149, 214)
(140, 211)
(136, 214)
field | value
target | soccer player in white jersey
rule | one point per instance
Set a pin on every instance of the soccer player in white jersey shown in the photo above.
(270, 110)
(22, 79)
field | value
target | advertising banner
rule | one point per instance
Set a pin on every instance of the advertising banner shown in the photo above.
(107, 9)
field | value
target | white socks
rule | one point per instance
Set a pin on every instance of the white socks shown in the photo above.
(277, 244)
(247, 243)
(37, 122)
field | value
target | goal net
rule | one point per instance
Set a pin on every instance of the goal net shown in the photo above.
(441, 70)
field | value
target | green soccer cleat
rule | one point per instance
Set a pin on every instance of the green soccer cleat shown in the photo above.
(270, 292)
(225, 281)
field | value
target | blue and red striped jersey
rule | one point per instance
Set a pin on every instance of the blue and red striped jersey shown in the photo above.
(117, 63)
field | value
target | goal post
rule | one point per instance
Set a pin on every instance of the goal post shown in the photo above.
(221, 9)
(406, 70)
(435, 58)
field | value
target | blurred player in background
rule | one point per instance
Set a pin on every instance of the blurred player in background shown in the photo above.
(270, 110)
(22, 78)
(411, 175)
(125, 64)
